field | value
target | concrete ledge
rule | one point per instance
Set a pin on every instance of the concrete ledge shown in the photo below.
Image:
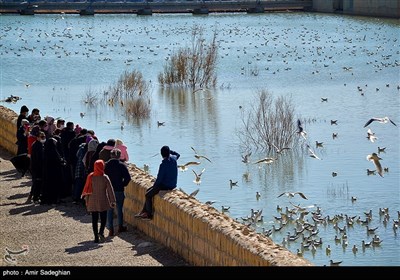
(199, 233)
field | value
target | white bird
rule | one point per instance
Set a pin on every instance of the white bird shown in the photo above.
(292, 194)
(184, 167)
(197, 179)
(258, 195)
(266, 160)
(279, 150)
(381, 120)
(371, 135)
(375, 159)
(312, 154)
(199, 156)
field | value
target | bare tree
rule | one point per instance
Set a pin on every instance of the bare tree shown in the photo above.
(268, 124)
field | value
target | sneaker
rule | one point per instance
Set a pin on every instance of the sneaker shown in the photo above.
(139, 215)
(145, 216)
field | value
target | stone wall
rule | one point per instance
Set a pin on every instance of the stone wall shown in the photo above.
(199, 233)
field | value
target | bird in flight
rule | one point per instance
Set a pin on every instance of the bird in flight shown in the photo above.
(371, 135)
(279, 150)
(210, 202)
(292, 194)
(300, 129)
(381, 120)
(267, 160)
(375, 159)
(184, 167)
(312, 154)
(197, 179)
(193, 194)
(199, 156)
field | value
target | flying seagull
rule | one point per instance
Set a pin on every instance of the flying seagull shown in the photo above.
(197, 179)
(185, 166)
(381, 120)
(375, 159)
(199, 156)
(193, 194)
(279, 150)
(371, 135)
(312, 154)
(292, 194)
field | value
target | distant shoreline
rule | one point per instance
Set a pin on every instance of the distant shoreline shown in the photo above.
(156, 7)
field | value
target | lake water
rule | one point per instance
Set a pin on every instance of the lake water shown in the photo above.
(298, 55)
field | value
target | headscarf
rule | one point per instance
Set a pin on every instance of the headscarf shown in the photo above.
(92, 145)
(98, 171)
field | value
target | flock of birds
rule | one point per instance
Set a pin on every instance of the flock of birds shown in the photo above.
(296, 226)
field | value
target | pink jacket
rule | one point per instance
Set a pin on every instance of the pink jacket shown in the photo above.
(124, 152)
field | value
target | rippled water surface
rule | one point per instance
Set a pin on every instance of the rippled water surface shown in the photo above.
(352, 61)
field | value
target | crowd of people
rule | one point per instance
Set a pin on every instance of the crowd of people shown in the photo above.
(67, 160)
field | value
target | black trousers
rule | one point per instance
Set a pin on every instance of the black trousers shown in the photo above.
(150, 193)
(95, 220)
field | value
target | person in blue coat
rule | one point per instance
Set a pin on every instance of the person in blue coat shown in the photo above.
(167, 178)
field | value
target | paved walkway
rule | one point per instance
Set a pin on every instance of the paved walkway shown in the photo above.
(62, 235)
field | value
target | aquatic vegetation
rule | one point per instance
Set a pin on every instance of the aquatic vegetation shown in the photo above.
(193, 67)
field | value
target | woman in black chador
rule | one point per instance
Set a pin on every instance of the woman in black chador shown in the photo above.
(52, 173)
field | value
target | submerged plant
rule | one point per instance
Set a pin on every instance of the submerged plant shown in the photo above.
(132, 93)
(193, 67)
